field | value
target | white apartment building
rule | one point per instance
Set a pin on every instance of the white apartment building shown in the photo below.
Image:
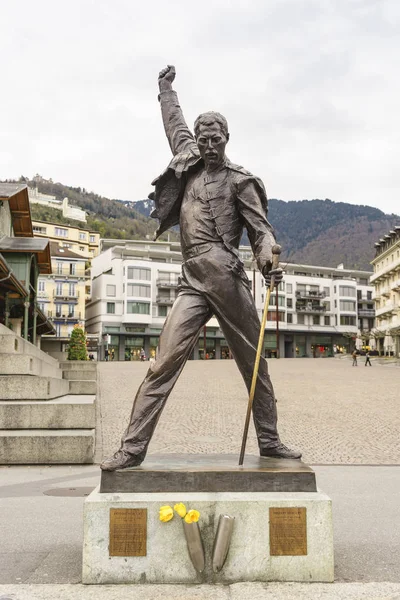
(386, 283)
(321, 310)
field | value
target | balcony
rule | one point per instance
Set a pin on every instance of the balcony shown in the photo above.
(166, 283)
(311, 309)
(386, 293)
(310, 294)
(68, 316)
(66, 297)
(165, 301)
(388, 308)
(366, 312)
(396, 285)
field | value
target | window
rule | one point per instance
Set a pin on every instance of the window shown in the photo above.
(289, 302)
(58, 310)
(359, 294)
(140, 274)
(37, 229)
(162, 311)
(72, 267)
(346, 290)
(138, 308)
(346, 320)
(142, 291)
(41, 306)
(82, 236)
(289, 288)
(327, 291)
(111, 308)
(347, 305)
(300, 319)
(316, 320)
(92, 239)
(61, 232)
(42, 286)
(289, 318)
(110, 290)
(71, 289)
(59, 289)
(271, 316)
(272, 301)
(327, 320)
(369, 295)
(71, 310)
(59, 268)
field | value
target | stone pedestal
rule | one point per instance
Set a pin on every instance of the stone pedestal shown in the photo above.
(253, 552)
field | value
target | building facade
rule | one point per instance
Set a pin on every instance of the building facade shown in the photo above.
(317, 311)
(80, 240)
(62, 294)
(386, 284)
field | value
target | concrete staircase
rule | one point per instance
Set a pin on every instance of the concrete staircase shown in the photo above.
(47, 410)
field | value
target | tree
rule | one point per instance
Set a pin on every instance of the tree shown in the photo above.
(77, 345)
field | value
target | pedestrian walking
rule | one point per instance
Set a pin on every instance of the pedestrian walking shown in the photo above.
(354, 355)
(112, 354)
(367, 360)
(106, 354)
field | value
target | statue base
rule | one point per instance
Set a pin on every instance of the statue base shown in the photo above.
(211, 473)
(277, 535)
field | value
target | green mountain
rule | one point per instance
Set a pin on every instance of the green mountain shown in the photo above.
(319, 232)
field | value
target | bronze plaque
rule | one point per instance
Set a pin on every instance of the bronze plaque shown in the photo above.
(288, 531)
(128, 531)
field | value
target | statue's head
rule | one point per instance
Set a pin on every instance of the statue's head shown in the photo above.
(211, 131)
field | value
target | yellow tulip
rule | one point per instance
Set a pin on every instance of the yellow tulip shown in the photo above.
(180, 509)
(166, 513)
(192, 516)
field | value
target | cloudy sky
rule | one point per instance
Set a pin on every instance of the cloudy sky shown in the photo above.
(310, 88)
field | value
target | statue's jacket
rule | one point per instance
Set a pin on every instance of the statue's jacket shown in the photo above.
(236, 198)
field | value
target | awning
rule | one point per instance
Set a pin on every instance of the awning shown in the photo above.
(29, 245)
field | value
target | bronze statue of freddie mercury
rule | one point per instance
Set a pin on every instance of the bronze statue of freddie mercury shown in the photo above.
(212, 200)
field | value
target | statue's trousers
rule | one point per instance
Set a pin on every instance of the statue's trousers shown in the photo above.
(213, 283)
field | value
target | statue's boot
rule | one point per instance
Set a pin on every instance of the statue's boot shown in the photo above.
(279, 451)
(122, 460)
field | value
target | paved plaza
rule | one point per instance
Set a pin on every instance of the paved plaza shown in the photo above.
(345, 420)
(333, 412)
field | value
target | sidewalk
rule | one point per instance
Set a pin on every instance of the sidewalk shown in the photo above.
(237, 591)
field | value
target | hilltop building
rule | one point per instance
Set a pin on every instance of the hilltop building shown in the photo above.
(386, 283)
(22, 260)
(321, 310)
(68, 211)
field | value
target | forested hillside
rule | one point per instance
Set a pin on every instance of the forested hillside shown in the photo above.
(319, 232)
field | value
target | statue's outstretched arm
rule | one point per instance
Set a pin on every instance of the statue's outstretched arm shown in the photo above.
(178, 133)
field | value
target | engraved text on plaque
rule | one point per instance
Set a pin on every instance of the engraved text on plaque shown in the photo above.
(288, 531)
(128, 531)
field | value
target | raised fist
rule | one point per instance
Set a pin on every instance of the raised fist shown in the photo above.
(167, 74)
(166, 77)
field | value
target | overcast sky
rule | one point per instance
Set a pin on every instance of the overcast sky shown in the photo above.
(310, 88)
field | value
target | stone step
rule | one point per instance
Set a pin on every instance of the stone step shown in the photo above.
(82, 387)
(23, 364)
(67, 412)
(13, 344)
(32, 387)
(78, 375)
(78, 365)
(46, 447)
